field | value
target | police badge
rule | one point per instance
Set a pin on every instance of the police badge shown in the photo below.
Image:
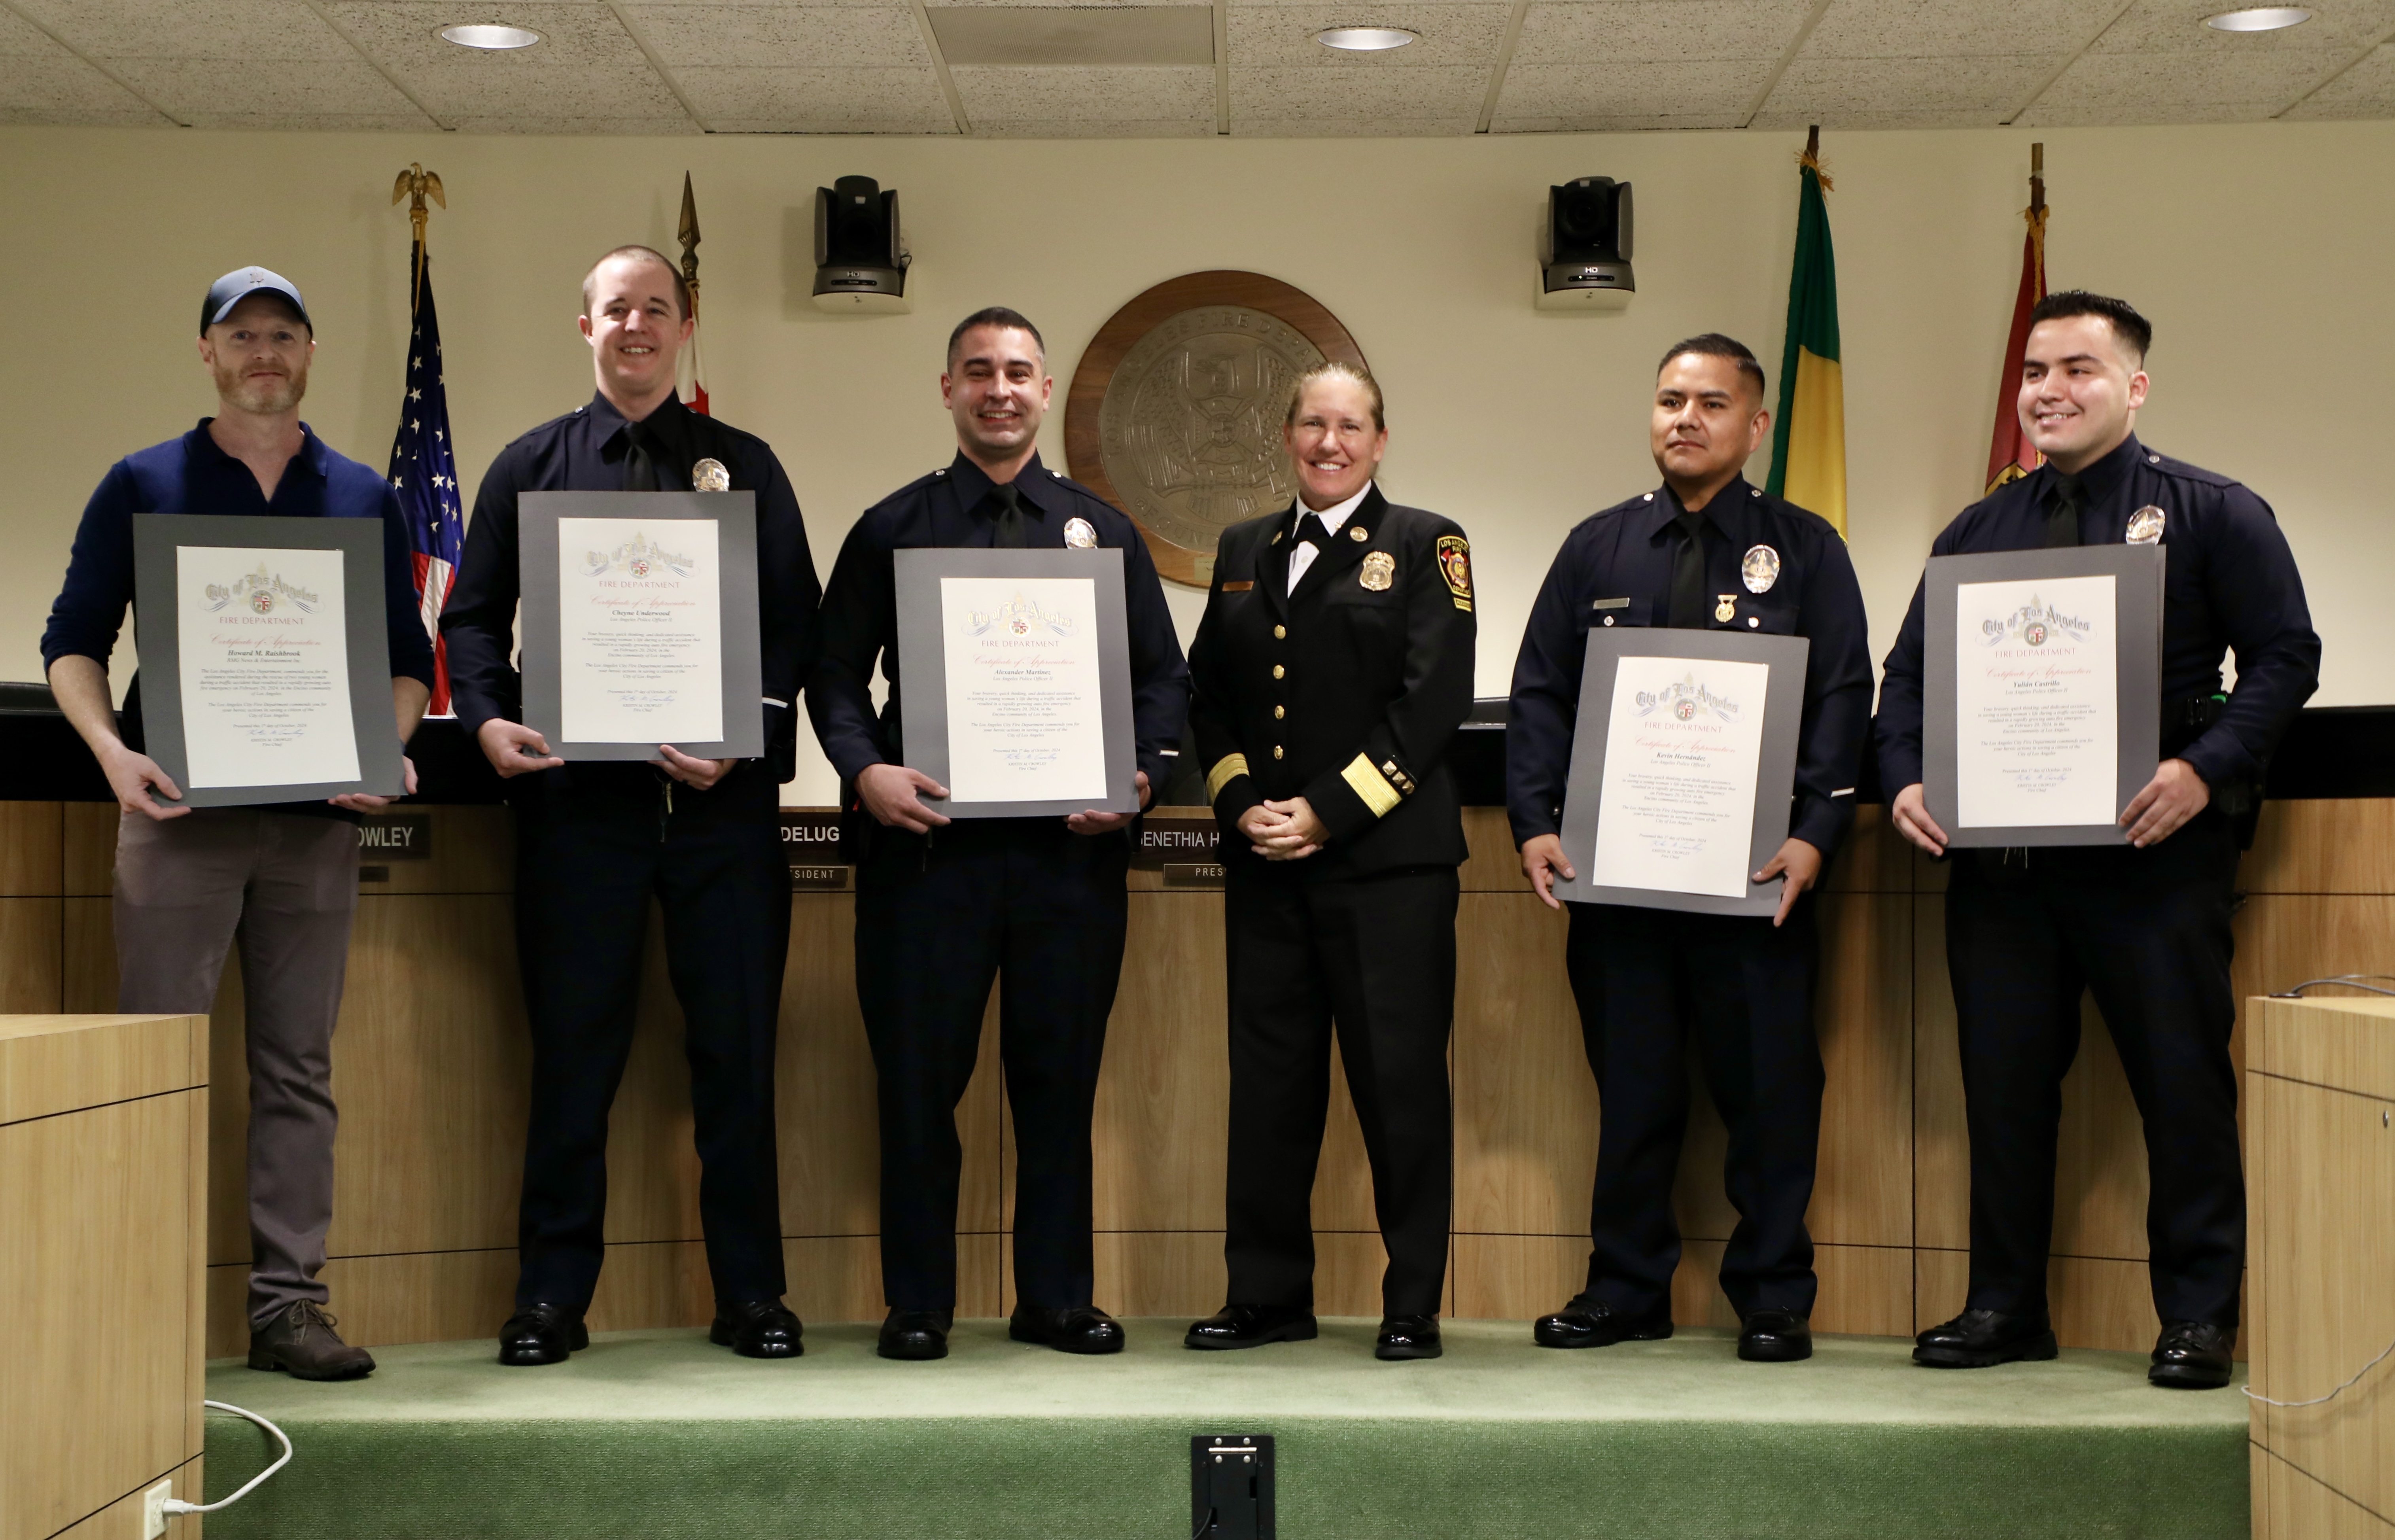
(1080, 534)
(708, 475)
(1760, 568)
(1379, 570)
(2146, 525)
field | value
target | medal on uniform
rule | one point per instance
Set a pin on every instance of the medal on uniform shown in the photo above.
(1760, 568)
(1080, 534)
(708, 475)
(1358, 533)
(2146, 525)
(1726, 608)
(1379, 570)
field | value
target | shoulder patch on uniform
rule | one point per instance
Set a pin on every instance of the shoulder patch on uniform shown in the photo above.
(1455, 565)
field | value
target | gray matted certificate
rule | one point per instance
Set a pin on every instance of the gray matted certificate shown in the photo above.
(1017, 680)
(640, 623)
(267, 666)
(1683, 762)
(2041, 697)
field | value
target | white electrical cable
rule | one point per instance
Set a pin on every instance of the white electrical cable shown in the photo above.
(176, 1505)
(2323, 1401)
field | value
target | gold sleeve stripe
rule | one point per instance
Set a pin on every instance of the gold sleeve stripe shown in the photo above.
(1370, 785)
(1227, 769)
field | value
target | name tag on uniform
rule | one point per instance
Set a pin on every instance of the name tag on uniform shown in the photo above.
(1240, 586)
(1610, 603)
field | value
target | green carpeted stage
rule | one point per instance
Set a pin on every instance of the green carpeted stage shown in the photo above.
(657, 1436)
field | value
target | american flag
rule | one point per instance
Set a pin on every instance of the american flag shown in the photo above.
(424, 476)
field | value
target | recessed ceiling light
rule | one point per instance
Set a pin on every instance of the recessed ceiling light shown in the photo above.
(2259, 19)
(1364, 39)
(491, 38)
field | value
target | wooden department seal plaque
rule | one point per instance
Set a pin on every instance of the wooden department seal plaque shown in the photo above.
(1174, 413)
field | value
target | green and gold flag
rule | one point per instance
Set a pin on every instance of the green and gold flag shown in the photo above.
(1808, 441)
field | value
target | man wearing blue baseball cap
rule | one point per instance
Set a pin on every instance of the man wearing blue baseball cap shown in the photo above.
(279, 880)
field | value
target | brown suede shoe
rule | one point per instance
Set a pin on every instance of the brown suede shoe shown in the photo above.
(301, 1342)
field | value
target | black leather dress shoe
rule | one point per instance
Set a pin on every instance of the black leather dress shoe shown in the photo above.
(757, 1328)
(1252, 1326)
(1981, 1339)
(1775, 1336)
(915, 1334)
(1075, 1329)
(2193, 1355)
(1408, 1337)
(1587, 1322)
(299, 1340)
(542, 1333)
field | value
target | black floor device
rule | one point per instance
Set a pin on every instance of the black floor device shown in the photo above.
(1230, 1488)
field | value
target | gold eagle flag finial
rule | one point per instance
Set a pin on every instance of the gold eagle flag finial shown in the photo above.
(417, 184)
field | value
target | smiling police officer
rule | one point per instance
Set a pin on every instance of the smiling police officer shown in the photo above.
(2144, 925)
(1705, 551)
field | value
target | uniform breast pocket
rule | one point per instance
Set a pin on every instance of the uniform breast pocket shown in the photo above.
(1763, 619)
(1607, 613)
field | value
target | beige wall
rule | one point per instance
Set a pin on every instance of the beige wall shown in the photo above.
(2259, 250)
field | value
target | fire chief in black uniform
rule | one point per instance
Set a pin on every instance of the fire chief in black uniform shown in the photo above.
(1705, 551)
(1329, 674)
(2143, 925)
(943, 907)
(594, 840)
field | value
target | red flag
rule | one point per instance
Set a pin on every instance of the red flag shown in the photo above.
(2010, 454)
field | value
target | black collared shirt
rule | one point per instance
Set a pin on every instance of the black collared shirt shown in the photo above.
(1615, 570)
(954, 507)
(2229, 582)
(584, 451)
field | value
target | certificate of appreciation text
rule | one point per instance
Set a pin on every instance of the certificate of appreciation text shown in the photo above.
(2036, 699)
(1025, 708)
(263, 641)
(1676, 811)
(639, 621)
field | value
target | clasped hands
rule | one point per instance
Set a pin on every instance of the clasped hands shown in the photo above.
(2177, 793)
(1284, 830)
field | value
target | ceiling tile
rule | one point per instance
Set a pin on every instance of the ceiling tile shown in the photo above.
(1690, 88)
(205, 92)
(817, 96)
(1590, 33)
(2176, 26)
(314, 123)
(1851, 119)
(22, 39)
(1597, 123)
(587, 69)
(1924, 28)
(1141, 93)
(58, 88)
(1095, 127)
(1398, 127)
(755, 36)
(1317, 95)
(532, 122)
(2365, 91)
(1282, 37)
(1990, 86)
(2203, 88)
(189, 28)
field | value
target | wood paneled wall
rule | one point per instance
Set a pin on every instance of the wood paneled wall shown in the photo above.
(430, 1063)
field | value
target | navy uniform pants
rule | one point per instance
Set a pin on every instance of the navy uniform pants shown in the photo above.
(1646, 980)
(586, 870)
(1372, 957)
(1040, 910)
(2147, 933)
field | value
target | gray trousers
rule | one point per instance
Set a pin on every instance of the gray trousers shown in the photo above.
(284, 887)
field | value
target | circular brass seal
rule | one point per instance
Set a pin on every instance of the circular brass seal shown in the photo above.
(1174, 415)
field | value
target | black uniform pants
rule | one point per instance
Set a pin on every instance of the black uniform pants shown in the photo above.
(1373, 958)
(1042, 911)
(1643, 979)
(2147, 932)
(586, 868)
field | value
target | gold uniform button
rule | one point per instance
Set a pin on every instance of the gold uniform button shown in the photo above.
(1276, 751)
(1279, 670)
(1280, 632)
(1279, 712)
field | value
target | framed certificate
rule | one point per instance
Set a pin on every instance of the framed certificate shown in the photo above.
(267, 669)
(1017, 680)
(2042, 698)
(1683, 762)
(640, 623)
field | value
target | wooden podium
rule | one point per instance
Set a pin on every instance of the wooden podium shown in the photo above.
(104, 1232)
(2320, 1140)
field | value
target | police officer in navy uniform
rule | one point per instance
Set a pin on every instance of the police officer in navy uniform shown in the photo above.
(1330, 672)
(2144, 925)
(1705, 551)
(596, 839)
(943, 907)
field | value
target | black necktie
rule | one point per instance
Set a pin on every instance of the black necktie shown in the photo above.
(2062, 511)
(1688, 574)
(1312, 528)
(1009, 518)
(639, 465)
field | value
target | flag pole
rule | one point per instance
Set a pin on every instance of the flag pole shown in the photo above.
(688, 234)
(417, 184)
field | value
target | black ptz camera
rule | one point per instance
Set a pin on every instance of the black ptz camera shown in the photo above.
(861, 260)
(1585, 247)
